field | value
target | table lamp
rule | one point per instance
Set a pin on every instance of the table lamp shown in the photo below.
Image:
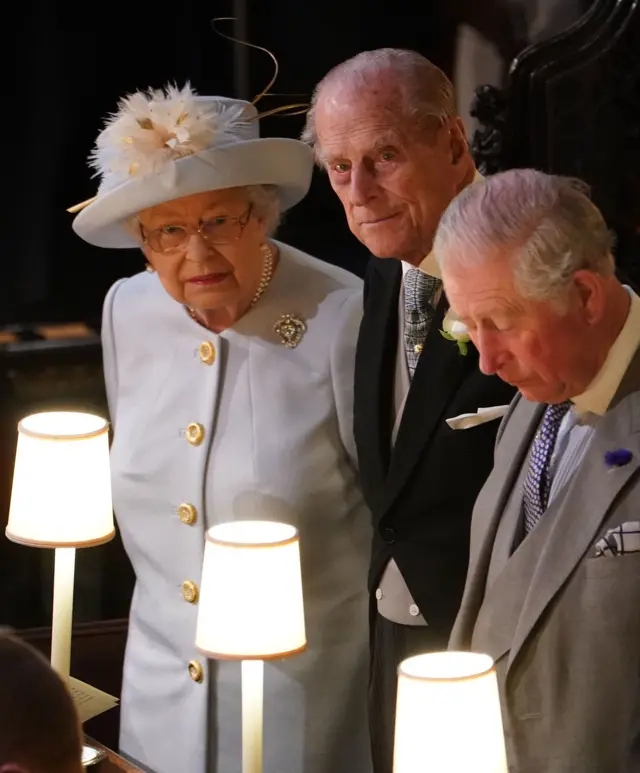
(448, 716)
(251, 609)
(61, 498)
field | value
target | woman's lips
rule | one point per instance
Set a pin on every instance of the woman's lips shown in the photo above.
(208, 279)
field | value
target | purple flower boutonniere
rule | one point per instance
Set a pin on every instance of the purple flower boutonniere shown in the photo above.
(618, 458)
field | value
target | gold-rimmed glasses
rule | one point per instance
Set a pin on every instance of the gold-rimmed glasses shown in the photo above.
(217, 230)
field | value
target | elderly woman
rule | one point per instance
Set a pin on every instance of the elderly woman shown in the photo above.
(229, 368)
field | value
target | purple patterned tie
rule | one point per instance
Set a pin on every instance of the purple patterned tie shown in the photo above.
(538, 485)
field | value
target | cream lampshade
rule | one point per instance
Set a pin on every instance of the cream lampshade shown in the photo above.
(251, 604)
(61, 498)
(61, 495)
(251, 609)
(448, 716)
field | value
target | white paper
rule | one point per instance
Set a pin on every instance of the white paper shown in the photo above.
(467, 420)
(90, 701)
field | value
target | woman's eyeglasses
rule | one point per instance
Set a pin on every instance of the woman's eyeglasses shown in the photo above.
(218, 230)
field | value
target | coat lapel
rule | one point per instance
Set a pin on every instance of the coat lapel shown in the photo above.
(438, 374)
(514, 446)
(509, 577)
(520, 426)
(577, 516)
(375, 368)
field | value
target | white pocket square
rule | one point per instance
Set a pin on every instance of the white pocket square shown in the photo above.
(620, 540)
(468, 420)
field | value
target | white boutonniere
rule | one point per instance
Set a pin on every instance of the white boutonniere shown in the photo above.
(453, 329)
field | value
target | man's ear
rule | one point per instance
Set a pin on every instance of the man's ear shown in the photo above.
(458, 141)
(591, 291)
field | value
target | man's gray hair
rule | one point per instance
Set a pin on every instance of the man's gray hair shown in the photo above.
(547, 225)
(424, 90)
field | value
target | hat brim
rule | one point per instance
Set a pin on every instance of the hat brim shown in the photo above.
(285, 163)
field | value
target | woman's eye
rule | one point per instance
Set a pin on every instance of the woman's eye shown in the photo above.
(387, 155)
(342, 167)
(171, 229)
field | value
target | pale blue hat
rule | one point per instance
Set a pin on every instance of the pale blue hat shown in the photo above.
(162, 146)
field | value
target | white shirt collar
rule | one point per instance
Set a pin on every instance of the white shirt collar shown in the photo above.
(598, 395)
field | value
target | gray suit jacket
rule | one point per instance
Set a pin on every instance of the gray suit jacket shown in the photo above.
(562, 625)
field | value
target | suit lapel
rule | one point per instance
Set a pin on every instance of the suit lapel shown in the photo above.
(493, 503)
(509, 577)
(514, 447)
(437, 376)
(375, 367)
(575, 519)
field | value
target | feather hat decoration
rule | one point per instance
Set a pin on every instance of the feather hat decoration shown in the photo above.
(153, 128)
(166, 144)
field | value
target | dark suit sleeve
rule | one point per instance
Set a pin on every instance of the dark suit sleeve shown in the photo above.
(487, 391)
(483, 392)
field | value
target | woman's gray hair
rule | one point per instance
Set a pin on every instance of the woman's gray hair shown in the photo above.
(266, 205)
(265, 202)
(424, 90)
(547, 225)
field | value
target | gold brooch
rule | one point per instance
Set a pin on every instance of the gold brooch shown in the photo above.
(290, 329)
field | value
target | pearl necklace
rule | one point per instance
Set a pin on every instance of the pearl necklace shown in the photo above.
(267, 273)
(265, 279)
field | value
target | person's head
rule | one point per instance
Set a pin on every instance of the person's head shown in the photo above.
(224, 263)
(189, 180)
(384, 126)
(39, 728)
(527, 265)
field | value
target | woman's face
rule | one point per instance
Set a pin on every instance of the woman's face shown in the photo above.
(205, 248)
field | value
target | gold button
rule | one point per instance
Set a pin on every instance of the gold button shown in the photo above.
(195, 433)
(188, 514)
(195, 671)
(418, 348)
(207, 352)
(190, 591)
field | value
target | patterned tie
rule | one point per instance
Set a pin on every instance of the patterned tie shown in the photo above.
(538, 484)
(420, 291)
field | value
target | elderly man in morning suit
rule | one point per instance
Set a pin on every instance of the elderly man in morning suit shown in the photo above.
(383, 125)
(553, 589)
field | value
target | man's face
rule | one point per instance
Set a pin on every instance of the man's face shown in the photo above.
(394, 180)
(540, 347)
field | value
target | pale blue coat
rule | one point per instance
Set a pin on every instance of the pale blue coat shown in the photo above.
(277, 444)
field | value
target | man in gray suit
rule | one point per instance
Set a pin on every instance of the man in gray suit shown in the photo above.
(553, 587)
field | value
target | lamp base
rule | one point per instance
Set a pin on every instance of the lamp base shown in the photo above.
(91, 755)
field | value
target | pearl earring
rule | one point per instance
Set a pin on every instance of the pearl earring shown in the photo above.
(149, 268)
